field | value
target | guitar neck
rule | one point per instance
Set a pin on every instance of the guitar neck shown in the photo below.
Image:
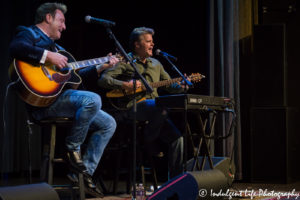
(86, 63)
(164, 83)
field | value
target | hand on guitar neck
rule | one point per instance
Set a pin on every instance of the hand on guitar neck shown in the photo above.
(111, 62)
(57, 59)
(61, 61)
(183, 84)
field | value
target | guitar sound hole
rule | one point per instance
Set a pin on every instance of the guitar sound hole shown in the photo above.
(64, 70)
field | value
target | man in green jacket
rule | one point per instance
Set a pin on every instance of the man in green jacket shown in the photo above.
(119, 78)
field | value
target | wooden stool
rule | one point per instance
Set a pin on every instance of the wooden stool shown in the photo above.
(50, 160)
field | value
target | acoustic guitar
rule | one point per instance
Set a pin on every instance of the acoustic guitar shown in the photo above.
(119, 98)
(39, 85)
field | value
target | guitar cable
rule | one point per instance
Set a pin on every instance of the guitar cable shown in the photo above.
(4, 113)
(4, 116)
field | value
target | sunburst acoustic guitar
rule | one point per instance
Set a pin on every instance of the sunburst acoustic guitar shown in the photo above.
(40, 85)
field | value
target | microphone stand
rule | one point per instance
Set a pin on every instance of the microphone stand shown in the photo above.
(187, 83)
(149, 89)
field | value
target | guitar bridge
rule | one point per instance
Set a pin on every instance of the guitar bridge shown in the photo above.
(46, 72)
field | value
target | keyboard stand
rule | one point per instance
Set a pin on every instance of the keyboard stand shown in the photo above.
(200, 104)
(203, 142)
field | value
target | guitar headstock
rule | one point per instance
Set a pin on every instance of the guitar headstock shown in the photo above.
(196, 77)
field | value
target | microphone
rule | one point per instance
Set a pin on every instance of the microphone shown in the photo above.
(159, 52)
(103, 22)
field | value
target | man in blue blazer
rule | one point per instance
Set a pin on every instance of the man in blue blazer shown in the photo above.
(36, 44)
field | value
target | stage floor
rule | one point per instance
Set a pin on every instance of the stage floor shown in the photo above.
(256, 191)
(248, 191)
(239, 190)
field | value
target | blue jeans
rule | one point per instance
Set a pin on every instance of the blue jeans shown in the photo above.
(157, 117)
(84, 107)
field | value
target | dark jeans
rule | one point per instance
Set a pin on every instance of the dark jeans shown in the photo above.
(85, 109)
(157, 117)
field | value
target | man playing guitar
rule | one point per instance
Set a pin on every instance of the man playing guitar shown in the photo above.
(34, 50)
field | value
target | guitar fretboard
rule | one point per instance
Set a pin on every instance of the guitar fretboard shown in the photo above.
(164, 83)
(193, 77)
(85, 63)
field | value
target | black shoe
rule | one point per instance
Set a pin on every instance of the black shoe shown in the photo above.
(91, 188)
(75, 162)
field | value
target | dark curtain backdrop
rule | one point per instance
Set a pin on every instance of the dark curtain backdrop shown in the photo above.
(223, 60)
(184, 29)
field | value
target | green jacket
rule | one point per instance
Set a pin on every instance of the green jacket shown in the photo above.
(152, 70)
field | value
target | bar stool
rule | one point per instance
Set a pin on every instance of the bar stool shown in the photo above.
(49, 156)
(124, 146)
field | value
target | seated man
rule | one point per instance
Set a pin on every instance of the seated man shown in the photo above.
(36, 45)
(120, 77)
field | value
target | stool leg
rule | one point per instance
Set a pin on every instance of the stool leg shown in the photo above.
(155, 184)
(29, 124)
(51, 155)
(81, 187)
(45, 163)
(143, 175)
(73, 192)
(153, 171)
(129, 180)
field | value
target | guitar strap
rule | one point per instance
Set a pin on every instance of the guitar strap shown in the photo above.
(59, 47)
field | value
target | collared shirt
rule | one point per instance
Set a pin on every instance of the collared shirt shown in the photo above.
(43, 59)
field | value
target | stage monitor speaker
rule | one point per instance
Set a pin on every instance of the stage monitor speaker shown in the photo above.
(223, 164)
(192, 185)
(28, 192)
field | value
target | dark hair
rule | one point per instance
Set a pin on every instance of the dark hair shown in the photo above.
(136, 33)
(48, 8)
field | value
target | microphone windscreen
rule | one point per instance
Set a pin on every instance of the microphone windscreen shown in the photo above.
(87, 19)
(157, 51)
